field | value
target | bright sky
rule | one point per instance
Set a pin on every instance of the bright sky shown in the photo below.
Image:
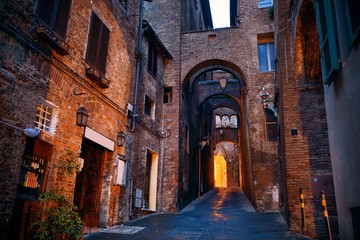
(220, 11)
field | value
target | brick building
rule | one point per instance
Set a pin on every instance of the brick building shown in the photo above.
(59, 60)
(317, 84)
(243, 106)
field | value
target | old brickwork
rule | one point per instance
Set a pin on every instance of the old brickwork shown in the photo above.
(165, 19)
(32, 73)
(304, 147)
(235, 48)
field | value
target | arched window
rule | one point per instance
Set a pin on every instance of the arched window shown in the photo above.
(233, 121)
(218, 121)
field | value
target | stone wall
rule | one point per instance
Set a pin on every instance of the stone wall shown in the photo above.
(32, 73)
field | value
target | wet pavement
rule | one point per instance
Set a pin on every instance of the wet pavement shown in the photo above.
(223, 213)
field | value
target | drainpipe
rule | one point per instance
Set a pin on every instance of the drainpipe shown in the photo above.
(138, 63)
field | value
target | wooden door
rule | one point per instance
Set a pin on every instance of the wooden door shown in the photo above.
(88, 184)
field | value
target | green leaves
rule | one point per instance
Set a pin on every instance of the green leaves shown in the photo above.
(58, 219)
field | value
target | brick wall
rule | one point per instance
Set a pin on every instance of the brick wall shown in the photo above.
(31, 72)
(236, 49)
(304, 147)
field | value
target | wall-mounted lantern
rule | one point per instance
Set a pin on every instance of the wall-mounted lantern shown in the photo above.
(81, 117)
(223, 83)
(120, 140)
(263, 95)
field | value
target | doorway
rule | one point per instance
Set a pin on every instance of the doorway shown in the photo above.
(88, 183)
(151, 172)
(220, 170)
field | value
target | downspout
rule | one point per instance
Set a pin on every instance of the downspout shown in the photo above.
(138, 65)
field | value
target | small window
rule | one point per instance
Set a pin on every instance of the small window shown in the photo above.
(266, 57)
(98, 42)
(167, 95)
(271, 125)
(32, 175)
(54, 14)
(149, 108)
(328, 45)
(265, 3)
(43, 117)
(46, 118)
(152, 59)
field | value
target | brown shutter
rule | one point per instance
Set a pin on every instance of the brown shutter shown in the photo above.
(93, 41)
(105, 34)
(98, 43)
(62, 17)
(45, 11)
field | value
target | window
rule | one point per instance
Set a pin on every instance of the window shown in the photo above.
(266, 57)
(32, 174)
(167, 95)
(43, 117)
(218, 121)
(96, 53)
(120, 171)
(225, 121)
(328, 46)
(54, 14)
(271, 125)
(149, 108)
(353, 13)
(46, 118)
(152, 59)
(233, 121)
(265, 3)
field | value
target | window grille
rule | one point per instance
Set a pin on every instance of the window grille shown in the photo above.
(32, 174)
(43, 117)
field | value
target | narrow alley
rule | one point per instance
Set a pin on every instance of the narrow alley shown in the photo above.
(222, 213)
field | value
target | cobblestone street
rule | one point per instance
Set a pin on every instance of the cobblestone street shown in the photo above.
(223, 213)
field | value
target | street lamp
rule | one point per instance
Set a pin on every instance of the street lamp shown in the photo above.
(81, 117)
(120, 140)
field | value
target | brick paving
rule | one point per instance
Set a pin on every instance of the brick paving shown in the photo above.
(223, 213)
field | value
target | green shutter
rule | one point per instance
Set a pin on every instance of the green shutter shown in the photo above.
(353, 18)
(326, 28)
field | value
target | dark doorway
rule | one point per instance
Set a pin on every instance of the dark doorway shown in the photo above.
(88, 183)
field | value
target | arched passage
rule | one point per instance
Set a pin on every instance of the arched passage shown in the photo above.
(210, 92)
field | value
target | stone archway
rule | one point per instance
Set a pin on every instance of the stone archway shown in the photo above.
(210, 90)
